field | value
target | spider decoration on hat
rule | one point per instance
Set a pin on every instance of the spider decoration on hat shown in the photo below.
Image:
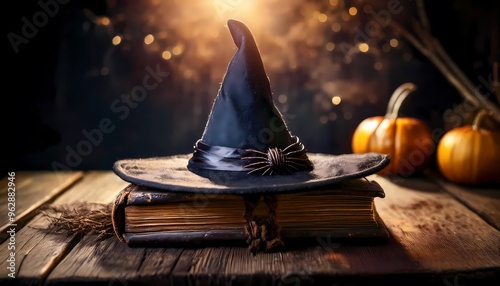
(279, 161)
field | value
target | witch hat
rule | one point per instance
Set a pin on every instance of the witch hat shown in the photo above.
(245, 131)
(246, 147)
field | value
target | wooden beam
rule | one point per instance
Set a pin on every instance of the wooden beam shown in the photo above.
(483, 200)
(38, 249)
(32, 190)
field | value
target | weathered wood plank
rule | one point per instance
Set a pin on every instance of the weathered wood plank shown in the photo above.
(433, 235)
(485, 200)
(36, 253)
(436, 230)
(181, 268)
(33, 189)
(235, 266)
(113, 262)
(309, 264)
(39, 250)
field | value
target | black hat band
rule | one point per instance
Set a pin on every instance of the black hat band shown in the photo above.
(272, 161)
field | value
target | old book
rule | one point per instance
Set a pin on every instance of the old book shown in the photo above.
(144, 216)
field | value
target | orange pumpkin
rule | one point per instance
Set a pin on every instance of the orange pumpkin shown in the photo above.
(407, 140)
(470, 154)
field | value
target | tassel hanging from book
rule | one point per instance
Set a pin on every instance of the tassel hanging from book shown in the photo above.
(263, 232)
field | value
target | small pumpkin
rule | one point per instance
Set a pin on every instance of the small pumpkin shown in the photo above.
(407, 140)
(470, 154)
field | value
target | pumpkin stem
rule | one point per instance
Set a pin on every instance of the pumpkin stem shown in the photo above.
(397, 98)
(478, 119)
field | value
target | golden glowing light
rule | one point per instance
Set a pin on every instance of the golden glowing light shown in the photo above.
(330, 46)
(336, 27)
(227, 9)
(363, 47)
(334, 2)
(336, 100)
(393, 42)
(201, 47)
(177, 50)
(116, 40)
(214, 34)
(166, 55)
(149, 39)
(105, 21)
(322, 18)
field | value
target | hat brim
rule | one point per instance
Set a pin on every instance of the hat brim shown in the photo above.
(170, 173)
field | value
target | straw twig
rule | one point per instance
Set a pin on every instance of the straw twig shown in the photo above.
(424, 41)
(80, 218)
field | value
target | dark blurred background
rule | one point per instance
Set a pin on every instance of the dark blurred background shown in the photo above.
(72, 67)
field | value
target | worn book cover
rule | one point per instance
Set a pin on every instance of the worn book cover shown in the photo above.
(144, 216)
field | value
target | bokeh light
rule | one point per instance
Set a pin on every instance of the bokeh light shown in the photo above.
(148, 40)
(330, 46)
(166, 55)
(116, 40)
(393, 42)
(336, 100)
(363, 47)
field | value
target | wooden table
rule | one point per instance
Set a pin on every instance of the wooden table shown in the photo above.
(441, 234)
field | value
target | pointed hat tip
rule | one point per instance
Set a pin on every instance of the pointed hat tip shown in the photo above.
(232, 23)
(239, 31)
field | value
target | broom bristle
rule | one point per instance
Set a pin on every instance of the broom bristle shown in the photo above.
(80, 218)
